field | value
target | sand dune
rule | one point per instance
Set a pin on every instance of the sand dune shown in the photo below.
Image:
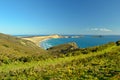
(38, 39)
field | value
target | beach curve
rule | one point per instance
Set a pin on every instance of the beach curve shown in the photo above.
(38, 39)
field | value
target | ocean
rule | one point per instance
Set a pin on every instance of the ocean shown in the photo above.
(82, 42)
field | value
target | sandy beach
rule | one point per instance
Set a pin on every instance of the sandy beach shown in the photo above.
(38, 39)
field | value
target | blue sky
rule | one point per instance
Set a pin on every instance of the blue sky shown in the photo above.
(60, 16)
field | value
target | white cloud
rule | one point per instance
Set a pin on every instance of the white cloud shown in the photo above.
(101, 29)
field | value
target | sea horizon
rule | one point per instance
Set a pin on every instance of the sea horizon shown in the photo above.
(65, 34)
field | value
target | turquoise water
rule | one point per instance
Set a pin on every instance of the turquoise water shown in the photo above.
(83, 42)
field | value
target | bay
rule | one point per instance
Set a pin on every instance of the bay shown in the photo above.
(82, 42)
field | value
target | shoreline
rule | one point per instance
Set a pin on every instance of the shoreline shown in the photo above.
(43, 41)
(38, 39)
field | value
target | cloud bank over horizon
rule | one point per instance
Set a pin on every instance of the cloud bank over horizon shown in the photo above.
(101, 29)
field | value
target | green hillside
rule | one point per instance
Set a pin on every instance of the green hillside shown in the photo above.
(23, 60)
(16, 49)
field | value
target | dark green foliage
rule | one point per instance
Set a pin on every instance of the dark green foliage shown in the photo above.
(6, 45)
(63, 49)
(118, 43)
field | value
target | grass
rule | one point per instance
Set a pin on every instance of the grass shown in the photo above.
(59, 64)
(43, 63)
(95, 63)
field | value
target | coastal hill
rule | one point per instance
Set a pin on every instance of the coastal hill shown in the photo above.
(13, 48)
(21, 59)
(63, 48)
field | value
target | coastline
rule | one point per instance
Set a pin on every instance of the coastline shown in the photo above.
(38, 39)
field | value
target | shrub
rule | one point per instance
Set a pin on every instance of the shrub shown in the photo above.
(118, 43)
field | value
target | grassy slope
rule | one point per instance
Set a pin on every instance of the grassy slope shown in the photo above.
(15, 66)
(13, 49)
(97, 63)
(101, 65)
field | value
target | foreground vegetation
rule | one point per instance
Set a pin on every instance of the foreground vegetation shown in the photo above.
(95, 63)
